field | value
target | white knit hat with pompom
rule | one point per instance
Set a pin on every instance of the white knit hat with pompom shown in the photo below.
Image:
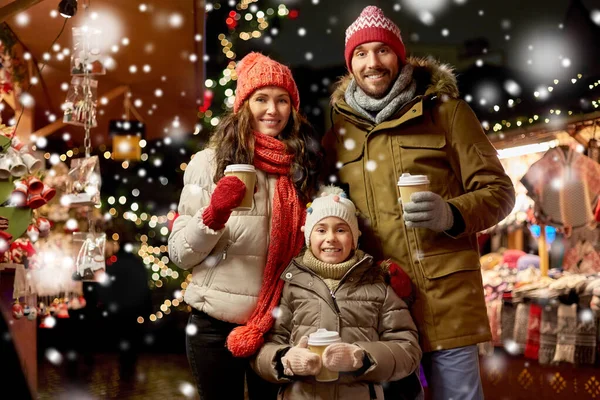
(332, 202)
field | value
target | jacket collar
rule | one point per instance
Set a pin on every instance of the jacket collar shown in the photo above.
(298, 274)
(433, 80)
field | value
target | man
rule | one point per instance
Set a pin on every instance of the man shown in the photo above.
(393, 115)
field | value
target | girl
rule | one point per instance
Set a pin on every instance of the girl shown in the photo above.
(237, 256)
(336, 287)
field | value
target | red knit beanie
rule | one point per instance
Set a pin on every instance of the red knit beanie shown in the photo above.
(256, 71)
(372, 26)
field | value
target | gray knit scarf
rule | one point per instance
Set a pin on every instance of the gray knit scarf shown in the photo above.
(379, 110)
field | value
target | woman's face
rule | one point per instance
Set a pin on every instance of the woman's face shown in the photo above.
(271, 107)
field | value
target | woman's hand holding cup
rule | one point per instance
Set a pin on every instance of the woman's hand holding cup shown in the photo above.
(228, 195)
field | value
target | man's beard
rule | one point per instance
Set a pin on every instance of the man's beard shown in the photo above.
(376, 93)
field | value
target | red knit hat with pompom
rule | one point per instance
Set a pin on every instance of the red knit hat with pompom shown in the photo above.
(372, 26)
(256, 71)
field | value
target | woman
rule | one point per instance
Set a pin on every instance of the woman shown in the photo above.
(237, 256)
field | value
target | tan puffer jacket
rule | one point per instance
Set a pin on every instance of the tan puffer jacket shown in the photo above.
(366, 312)
(227, 264)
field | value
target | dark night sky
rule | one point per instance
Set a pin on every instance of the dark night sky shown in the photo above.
(531, 22)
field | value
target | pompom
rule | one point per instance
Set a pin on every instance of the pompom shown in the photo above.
(244, 341)
(248, 62)
(331, 189)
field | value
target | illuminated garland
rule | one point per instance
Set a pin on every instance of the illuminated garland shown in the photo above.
(519, 121)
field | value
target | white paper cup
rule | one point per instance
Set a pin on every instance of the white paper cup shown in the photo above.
(409, 184)
(317, 342)
(247, 174)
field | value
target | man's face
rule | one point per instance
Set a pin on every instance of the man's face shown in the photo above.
(375, 67)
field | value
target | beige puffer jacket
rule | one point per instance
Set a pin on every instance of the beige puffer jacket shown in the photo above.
(366, 312)
(227, 264)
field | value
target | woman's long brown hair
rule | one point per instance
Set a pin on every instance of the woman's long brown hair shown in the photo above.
(233, 142)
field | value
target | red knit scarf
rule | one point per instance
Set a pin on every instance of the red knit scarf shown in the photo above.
(285, 243)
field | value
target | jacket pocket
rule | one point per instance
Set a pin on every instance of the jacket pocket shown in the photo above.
(422, 140)
(424, 152)
(214, 259)
(441, 265)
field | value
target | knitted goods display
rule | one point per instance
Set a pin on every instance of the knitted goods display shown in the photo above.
(508, 317)
(520, 327)
(565, 333)
(286, 240)
(373, 26)
(228, 195)
(494, 312)
(256, 71)
(585, 339)
(532, 346)
(548, 334)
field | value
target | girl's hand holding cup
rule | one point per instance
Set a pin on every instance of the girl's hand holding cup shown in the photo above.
(301, 361)
(343, 357)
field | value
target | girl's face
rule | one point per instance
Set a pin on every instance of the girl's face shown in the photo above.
(271, 107)
(331, 240)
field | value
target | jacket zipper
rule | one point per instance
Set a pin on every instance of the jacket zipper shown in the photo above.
(337, 309)
(209, 276)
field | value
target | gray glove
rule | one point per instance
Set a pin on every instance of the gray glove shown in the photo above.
(428, 210)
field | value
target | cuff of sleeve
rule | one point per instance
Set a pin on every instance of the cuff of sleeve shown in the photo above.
(459, 226)
(279, 365)
(367, 364)
(196, 231)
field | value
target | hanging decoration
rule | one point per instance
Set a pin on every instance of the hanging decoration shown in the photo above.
(80, 105)
(83, 184)
(90, 263)
(85, 58)
(13, 71)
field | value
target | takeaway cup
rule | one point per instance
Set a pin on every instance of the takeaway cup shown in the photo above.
(247, 174)
(410, 184)
(317, 342)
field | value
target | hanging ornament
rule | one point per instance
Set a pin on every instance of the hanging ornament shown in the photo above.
(86, 55)
(83, 187)
(17, 311)
(32, 314)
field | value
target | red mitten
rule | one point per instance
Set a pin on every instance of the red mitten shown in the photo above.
(228, 195)
(399, 280)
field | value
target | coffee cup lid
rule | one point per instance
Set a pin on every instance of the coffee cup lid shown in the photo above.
(323, 337)
(411, 180)
(240, 168)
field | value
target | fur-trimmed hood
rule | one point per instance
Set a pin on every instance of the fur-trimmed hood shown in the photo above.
(433, 78)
